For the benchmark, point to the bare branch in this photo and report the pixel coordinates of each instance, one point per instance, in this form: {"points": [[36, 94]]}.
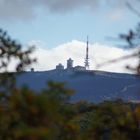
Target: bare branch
{"points": [[118, 59], [133, 9]]}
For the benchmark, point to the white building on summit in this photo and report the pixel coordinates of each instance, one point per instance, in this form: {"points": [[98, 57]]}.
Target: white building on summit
{"points": [[76, 68], [70, 66]]}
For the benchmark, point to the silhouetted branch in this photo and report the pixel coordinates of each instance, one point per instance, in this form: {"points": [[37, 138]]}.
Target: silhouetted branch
{"points": [[119, 59], [133, 9], [9, 50]]}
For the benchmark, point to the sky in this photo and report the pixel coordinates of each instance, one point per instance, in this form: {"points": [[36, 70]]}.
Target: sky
{"points": [[59, 29]]}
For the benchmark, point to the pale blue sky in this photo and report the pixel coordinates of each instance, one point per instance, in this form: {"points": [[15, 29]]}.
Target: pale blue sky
{"points": [[55, 28]]}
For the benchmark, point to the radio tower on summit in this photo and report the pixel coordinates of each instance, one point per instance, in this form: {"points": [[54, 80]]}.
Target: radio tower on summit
{"points": [[87, 57]]}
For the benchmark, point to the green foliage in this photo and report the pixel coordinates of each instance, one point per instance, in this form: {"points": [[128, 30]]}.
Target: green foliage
{"points": [[26, 115], [113, 120]]}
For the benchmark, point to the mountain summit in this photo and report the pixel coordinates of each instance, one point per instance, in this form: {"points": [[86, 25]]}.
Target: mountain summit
{"points": [[92, 86]]}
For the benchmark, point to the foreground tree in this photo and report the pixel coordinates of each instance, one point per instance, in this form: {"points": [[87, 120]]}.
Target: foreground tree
{"points": [[25, 114], [9, 51]]}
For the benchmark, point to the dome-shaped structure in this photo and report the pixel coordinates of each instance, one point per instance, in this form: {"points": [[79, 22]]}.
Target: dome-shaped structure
{"points": [[59, 66]]}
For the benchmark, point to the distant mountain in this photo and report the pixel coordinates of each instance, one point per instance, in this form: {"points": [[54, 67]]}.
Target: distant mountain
{"points": [[93, 86]]}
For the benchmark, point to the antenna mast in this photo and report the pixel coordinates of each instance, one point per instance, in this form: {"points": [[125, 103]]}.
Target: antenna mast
{"points": [[87, 56]]}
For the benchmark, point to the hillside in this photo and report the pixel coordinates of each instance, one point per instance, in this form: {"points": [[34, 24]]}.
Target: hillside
{"points": [[93, 86]]}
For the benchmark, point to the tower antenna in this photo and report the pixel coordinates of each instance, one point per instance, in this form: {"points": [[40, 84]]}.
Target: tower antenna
{"points": [[87, 56]]}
